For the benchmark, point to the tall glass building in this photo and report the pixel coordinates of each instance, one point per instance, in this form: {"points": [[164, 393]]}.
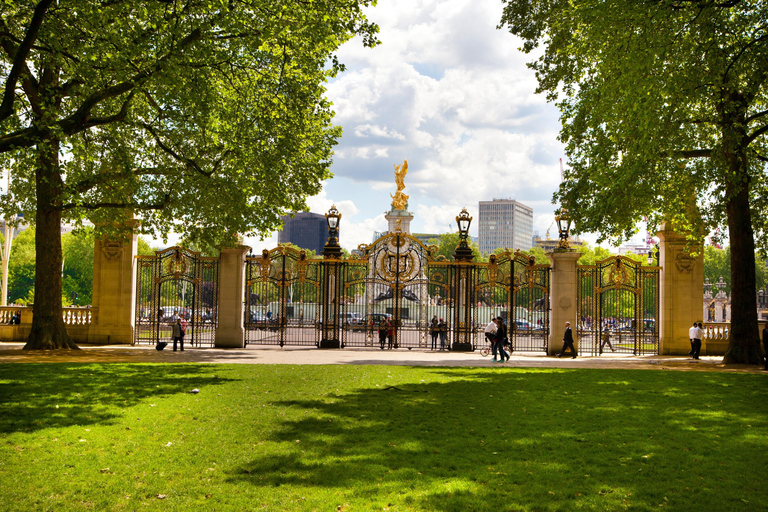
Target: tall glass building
{"points": [[505, 223], [305, 230]]}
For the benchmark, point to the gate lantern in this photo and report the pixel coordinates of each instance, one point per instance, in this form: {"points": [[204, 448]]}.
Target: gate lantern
{"points": [[332, 248], [563, 227], [463, 252]]}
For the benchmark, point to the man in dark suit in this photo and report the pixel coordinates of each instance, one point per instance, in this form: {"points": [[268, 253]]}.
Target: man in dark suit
{"points": [[765, 344], [568, 341]]}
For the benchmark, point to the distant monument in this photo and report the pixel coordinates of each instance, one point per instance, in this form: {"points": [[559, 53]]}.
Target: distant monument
{"points": [[399, 218]]}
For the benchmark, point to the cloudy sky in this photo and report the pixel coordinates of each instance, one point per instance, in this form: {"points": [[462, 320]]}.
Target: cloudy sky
{"points": [[451, 94]]}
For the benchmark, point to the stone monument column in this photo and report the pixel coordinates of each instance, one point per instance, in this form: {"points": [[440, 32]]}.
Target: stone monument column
{"points": [[563, 296], [682, 282], [114, 293], [229, 331]]}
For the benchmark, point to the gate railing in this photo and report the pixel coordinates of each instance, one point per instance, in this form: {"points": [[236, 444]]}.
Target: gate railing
{"points": [[176, 283], [618, 307]]}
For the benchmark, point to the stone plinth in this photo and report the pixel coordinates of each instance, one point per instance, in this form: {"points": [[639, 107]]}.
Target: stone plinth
{"points": [[404, 216], [682, 281], [230, 332], [114, 295], [563, 297]]}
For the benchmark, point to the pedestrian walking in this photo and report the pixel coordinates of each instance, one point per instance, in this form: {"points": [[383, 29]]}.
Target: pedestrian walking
{"points": [[692, 335], [697, 340], [501, 339], [568, 342], [490, 335], [391, 332], [606, 339], [765, 344]]}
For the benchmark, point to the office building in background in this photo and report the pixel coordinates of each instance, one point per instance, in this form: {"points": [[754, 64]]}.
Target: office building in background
{"points": [[305, 230], [505, 223]]}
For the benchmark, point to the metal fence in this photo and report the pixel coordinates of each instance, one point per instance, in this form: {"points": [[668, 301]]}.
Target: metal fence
{"points": [[176, 283], [618, 307]]}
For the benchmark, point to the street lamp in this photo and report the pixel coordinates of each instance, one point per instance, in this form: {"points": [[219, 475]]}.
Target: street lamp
{"points": [[707, 287], [563, 227], [332, 248], [463, 252]]}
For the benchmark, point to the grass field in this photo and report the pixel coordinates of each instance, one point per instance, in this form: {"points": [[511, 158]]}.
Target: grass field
{"points": [[260, 437]]}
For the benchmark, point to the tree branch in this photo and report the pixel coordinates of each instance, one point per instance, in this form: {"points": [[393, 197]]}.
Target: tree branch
{"points": [[134, 206], [188, 162], [696, 153], [757, 133], [20, 58], [756, 116]]}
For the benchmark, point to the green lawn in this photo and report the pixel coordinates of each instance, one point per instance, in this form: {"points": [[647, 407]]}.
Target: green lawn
{"points": [[258, 437]]}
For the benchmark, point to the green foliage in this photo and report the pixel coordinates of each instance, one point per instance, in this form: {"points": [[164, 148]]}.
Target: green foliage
{"points": [[21, 267], [717, 264], [446, 245], [208, 120], [77, 247], [317, 437], [143, 248], [662, 104]]}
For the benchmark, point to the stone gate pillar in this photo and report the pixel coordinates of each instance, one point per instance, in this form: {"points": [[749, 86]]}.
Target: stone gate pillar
{"points": [[229, 331], [563, 297], [114, 293], [682, 282]]}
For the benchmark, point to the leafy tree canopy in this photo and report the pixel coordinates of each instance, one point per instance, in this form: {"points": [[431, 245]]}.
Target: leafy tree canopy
{"points": [[664, 113], [446, 245], [206, 118]]}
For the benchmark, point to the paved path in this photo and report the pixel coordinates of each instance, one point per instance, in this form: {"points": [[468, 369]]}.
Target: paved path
{"points": [[13, 353]]}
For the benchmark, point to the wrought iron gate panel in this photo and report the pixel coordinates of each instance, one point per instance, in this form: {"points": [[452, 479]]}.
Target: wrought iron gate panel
{"points": [[358, 323], [529, 308], [493, 294], [618, 307], [283, 298], [397, 287], [176, 282]]}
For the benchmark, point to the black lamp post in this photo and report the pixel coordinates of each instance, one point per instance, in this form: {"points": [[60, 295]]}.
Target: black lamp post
{"points": [[654, 252], [332, 249], [564, 228], [463, 251], [331, 278]]}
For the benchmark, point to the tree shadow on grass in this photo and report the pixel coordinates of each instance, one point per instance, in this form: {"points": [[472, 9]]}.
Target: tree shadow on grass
{"points": [[37, 396], [527, 440]]}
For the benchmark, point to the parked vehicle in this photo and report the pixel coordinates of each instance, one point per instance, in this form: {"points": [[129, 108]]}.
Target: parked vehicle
{"points": [[361, 323]]}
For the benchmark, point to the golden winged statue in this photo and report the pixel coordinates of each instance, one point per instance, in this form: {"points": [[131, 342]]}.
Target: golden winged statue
{"points": [[400, 200]]}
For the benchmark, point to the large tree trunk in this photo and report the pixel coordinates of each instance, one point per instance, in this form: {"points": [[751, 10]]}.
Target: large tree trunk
{"points": [[744, 345], [48, 329]]}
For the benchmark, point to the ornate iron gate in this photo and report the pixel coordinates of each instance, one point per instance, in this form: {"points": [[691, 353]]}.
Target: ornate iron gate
{"points": [[529, 331], [176, 282], [618, 307], [515, 287], [283, 298], [389, 284]]}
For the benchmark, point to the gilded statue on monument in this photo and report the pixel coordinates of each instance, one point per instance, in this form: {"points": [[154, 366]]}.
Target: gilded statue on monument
{"points": [[400, 200]]}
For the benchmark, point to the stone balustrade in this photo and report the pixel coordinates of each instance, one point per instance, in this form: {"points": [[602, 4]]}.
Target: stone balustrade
{"points": [[77, 319]]}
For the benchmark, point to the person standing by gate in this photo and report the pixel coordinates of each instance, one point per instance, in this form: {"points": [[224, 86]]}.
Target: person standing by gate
{"points": [[434, 331], [391, 332], [382, 332], [490, 335], [444, 334], [178, 334], [568, 341]]}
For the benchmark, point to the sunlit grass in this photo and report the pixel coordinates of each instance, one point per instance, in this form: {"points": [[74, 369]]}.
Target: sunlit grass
{"points": [[132, 437]]}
